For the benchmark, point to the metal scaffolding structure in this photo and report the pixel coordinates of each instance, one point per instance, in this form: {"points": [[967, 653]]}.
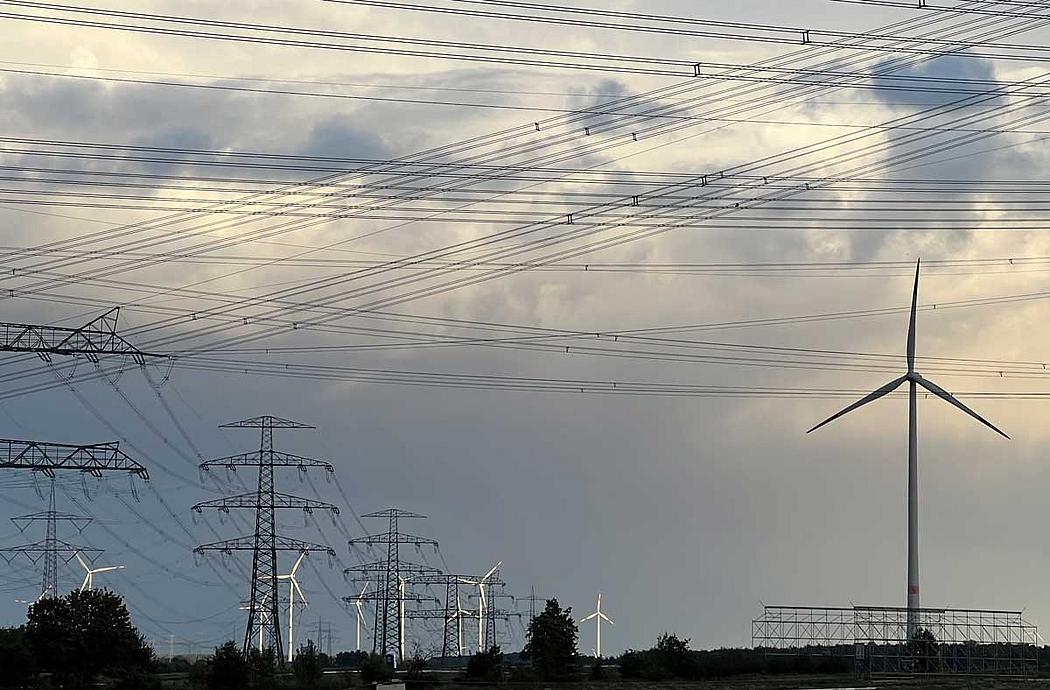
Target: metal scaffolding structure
{"points": [[877, 638], [94, 339], [263, 602]]}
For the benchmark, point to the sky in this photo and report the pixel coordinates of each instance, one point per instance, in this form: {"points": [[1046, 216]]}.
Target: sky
{"points": [[687, 513]]}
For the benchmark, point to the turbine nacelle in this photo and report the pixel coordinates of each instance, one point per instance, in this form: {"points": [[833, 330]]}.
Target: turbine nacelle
{"points": [[90, 573]]}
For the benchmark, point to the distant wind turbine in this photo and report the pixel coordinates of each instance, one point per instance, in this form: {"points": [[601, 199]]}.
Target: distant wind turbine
{"points": [[358, 602], [598, 617], [90, 573], [913, 379], [481, 583], [293, 589]]}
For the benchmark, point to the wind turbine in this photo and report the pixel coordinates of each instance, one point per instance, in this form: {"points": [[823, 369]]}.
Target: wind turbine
{"points": [[598, 617], [914, 380], [89, 572], [293, 589], [358, 602], [481, 583]]}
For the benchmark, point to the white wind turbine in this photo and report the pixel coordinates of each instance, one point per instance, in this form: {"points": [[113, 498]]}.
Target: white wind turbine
{"points": [[293, 589], [481, 583], [90, 573], [358, 603], [598, 617], [913, 379]]}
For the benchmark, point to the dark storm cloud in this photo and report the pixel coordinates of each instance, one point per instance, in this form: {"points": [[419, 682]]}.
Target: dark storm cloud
{"points": [[904, 86]]}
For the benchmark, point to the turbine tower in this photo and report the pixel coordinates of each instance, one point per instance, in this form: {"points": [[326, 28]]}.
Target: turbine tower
{"points": [[293, 589], [90, 573], [914, 380], [358, 603], [598, 617]]}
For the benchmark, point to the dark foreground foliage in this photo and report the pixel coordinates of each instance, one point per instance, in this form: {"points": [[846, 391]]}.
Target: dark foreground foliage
{"points": [[671, 659], [551, 642], [75, 641]]}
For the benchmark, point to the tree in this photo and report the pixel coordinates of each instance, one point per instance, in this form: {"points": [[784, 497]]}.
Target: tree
{"points": [[307, 667], [83, 635], [16, 662], [551, 643], [262, 668], [485, 665], [228, 669]]}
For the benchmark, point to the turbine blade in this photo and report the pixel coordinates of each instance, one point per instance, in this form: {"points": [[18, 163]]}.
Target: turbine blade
{"points": [[911, 321], [295, 584], [298, 563], [584, 620], [948, 397], [607, 619], [492, 570], [874, 395], [82, 563], [363, 590]]}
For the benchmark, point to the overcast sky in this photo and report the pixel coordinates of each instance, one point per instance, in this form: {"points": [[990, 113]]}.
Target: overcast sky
{"points": [[686, 513]]}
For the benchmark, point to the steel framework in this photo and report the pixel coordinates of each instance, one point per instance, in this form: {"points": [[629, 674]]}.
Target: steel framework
{"points": [[388, 632], [97, 337], [263, 602], [45, 458], [51, 547], [890, 640]]}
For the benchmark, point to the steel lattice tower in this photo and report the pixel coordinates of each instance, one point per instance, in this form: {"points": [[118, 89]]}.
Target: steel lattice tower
{"points": [[263, 602], [51, 547], [49, 459], [388, 633]]}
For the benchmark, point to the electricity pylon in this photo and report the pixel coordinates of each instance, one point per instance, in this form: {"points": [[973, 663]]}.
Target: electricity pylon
{"points": [[51, 547], [263, 605], [453, 614], [49, 459], [376, 573], [532, 599], [97, 337], [388, 630]]}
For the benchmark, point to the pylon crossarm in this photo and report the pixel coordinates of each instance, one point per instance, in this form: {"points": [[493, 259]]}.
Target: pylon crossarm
{"points": [[95, 339], [227, 503], [401, 538], [46, 457], [404, 567], [266, 421], [39, 548], [408, 596], [275, 458], [247, 543]]}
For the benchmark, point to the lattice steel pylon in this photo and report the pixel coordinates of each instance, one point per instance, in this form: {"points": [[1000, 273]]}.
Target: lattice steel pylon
{"points": [[388, 632], [494, 613], [263, 602], [51, 547], [49, 459], [92, 340]]}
